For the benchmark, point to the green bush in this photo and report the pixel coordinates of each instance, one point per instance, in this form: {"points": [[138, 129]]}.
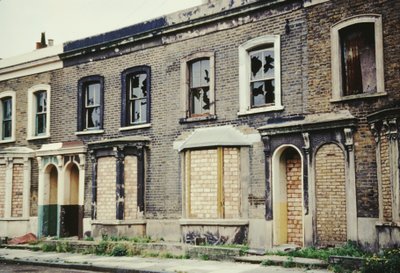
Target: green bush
{"points": [[119, 250], [102, 248], [48, 247], [63, 247], [388, 262]]}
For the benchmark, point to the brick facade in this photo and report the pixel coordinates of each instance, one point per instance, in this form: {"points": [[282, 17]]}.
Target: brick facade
{"points": [[130, 171], [2, 188], [385, 176], [231, 183], [106, 188], [294, 200], [17, 190], [330, 195]]}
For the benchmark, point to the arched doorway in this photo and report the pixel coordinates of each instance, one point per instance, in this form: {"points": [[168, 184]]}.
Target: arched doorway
{"points": [[50, 206], [287, 196], [71, 222]]}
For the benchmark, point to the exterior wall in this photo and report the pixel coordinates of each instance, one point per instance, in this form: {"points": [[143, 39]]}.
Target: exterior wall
{"points": [[203, 184], [17, 190], [330, 195], [106, 188], [231, 183], [294, 200], [2, 189], [130, 171], [385, 177]]}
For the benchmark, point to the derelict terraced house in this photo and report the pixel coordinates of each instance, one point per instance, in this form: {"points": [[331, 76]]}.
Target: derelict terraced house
{"points": [[266, 122]]}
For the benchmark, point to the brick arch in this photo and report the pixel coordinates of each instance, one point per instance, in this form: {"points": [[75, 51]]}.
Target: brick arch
{"points": [[330, 190]]}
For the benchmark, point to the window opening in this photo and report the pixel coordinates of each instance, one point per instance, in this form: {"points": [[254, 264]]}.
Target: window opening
{"points": [[138, 98], [41, 112], [199, 97], [92, 106], [262, 77], [7, 118], [358, 59]]}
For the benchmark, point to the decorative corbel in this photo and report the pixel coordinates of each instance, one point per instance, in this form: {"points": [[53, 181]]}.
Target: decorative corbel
{"points": [[267, 145], [306, 138], [348, 134], [39, 161], [82, 160], [393, 129], [59, 161], [375, 132], [9, 162], [385, 129]]}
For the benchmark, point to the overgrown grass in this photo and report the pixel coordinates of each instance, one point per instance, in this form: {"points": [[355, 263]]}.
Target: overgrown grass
{"points": [[388, 262], [350, 249]]}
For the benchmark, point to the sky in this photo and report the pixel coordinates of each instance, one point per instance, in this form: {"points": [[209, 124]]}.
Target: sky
{"points": [[23, 21]]}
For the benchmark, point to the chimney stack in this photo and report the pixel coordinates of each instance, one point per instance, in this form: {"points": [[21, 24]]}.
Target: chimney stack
{"points": [[42, 43]]}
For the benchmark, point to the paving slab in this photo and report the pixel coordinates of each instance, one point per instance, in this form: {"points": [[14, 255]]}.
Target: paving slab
{"points": [[138, 264]]}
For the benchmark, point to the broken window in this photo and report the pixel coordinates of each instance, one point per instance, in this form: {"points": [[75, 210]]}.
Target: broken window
{"points": [[41, 112], [7, 118], [358, 59], [136, 96], [262, 76], [199, 95], [90, 103], [92, 107]]}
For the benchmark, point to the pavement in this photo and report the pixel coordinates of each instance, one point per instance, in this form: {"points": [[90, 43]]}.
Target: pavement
{"points": [[139, 264]]}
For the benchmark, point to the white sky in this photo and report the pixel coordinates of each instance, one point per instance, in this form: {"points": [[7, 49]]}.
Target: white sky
{"points": [[22, 21]]}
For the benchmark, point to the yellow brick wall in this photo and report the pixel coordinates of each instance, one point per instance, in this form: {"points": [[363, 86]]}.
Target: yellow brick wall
{"points": [[330, 195], [17, 190], [203, 184], [231, 178], [294, 200], [106, 186], [2, 188], [130, 187], [385, 174]]}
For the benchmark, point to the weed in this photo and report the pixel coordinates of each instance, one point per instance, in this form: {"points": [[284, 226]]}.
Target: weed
{"points": [[388, 262], [289, 263], [204, 257], [63, 247], [101, 248], [48, 247], [89, 238], [267, 263], [119, 250]]}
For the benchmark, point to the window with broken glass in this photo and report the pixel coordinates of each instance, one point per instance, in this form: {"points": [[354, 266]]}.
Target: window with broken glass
{"points": [[7, 118], [199, 97], [135, 96], [91, 104], [262, 77], [41, 112], [357, 44]]}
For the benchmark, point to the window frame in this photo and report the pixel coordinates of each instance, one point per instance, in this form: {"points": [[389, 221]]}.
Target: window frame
{"points": [[32, 106], [81, 115], [186, 89], [245, 49], [4, 95], [336, 56], [125, 97]]}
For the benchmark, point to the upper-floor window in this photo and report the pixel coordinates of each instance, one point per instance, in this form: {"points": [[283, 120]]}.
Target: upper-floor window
{"points": [[259, 75], [135, 96], [7, 116], [90, 103], [357, 57], [39, 111], [197, 77]]}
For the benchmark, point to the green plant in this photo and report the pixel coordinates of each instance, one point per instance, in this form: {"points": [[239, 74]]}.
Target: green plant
{"points": [[119, 250], [388, 262], [48, 247], [267, 263], [89, 238], [101, 248], [289, 263], [204, 257], [63, 247]]}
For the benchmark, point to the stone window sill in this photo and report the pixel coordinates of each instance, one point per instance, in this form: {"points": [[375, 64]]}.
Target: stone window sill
{"points": [[38, 137], [261, 110], [119, 222], [7, 141], [135, 127], [387, 224], [358, 97], [195, 119], [89, 132]]}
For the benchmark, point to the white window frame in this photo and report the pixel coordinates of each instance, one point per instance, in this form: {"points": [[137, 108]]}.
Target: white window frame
{"points": [[336, 55], [31, 129], [185, 82], [245, 69], [11, 94]]}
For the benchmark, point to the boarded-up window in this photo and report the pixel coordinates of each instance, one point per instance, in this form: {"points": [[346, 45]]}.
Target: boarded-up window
{"points": [[358, 59]]}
